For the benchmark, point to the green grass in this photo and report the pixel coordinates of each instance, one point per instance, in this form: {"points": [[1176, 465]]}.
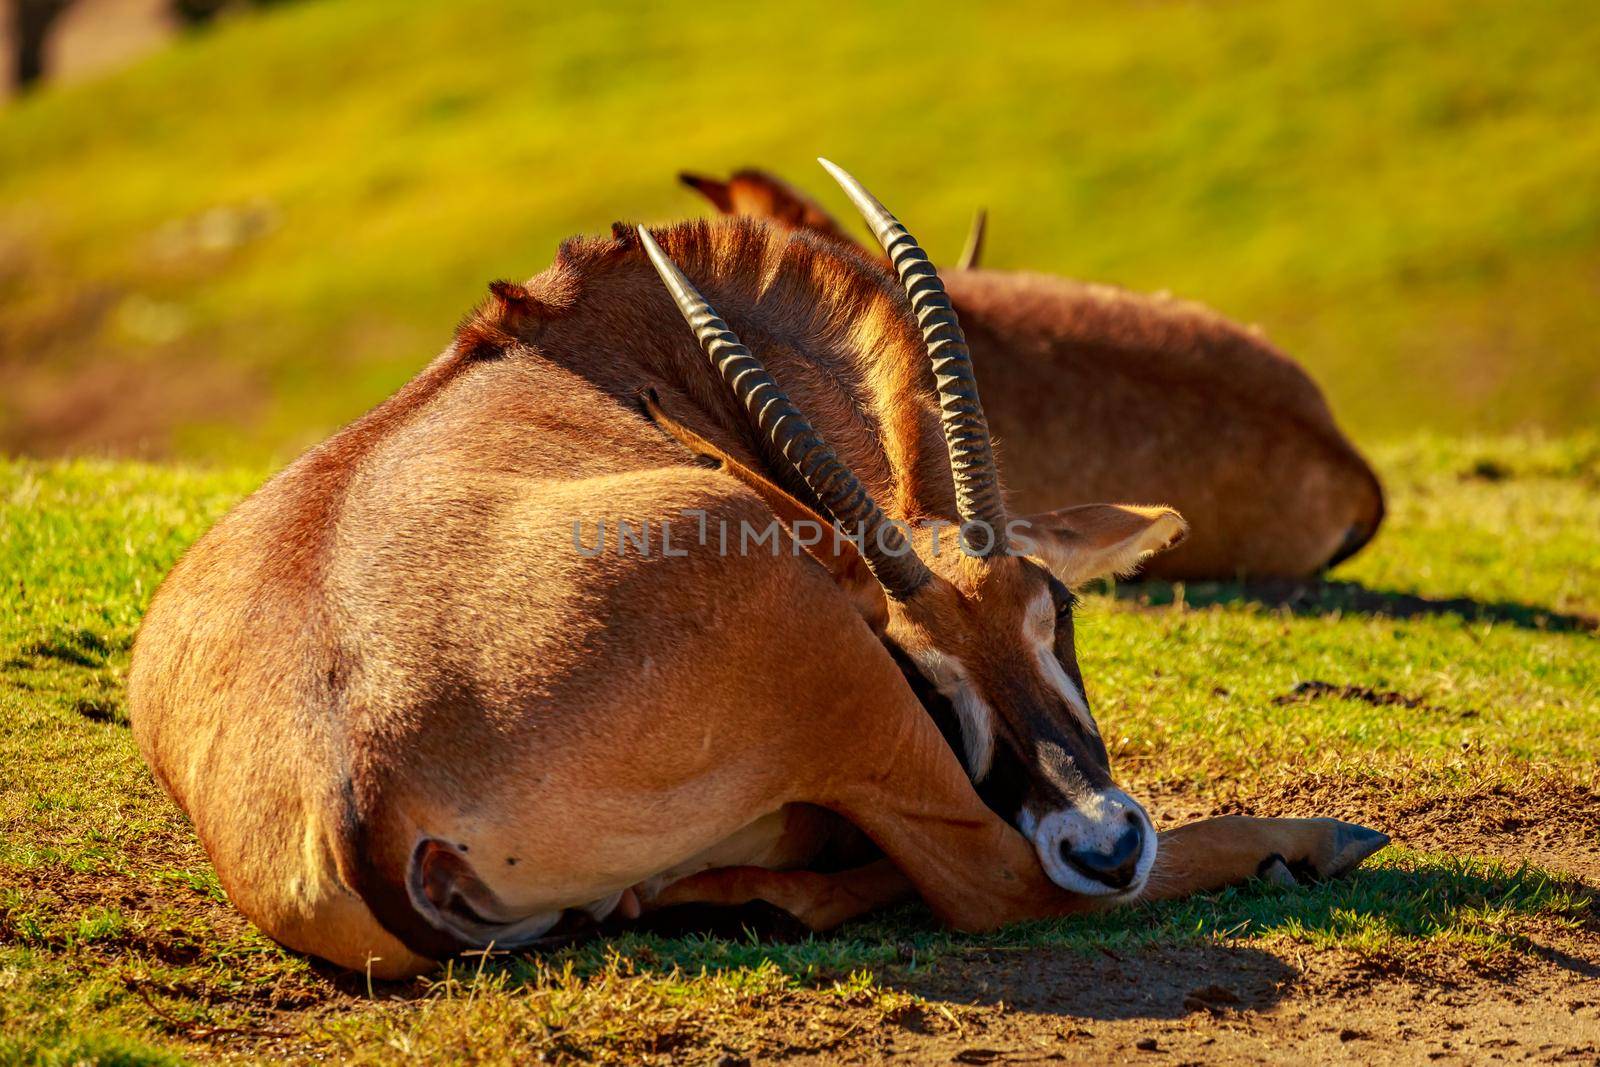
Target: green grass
{"points": [[251, 236], [230, 248], [1476, 604]]}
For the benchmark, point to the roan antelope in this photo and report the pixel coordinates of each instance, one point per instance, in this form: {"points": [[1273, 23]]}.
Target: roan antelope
{"points": [[411, 711], [1099, 393]]}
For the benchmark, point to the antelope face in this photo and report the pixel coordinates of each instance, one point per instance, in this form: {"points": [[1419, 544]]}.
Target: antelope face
{"points": [[989, 647]]}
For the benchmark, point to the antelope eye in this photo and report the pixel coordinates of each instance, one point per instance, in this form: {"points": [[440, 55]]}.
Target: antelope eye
{"points": [[1064, 601]]}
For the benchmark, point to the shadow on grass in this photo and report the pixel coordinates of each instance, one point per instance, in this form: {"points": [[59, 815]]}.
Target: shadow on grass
{"points": [[1322, 598], [79, 647], [1159, 961]]}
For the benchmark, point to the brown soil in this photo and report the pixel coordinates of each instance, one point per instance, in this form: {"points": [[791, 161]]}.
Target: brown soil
{"points": [[1218, 1005], [1306, 692]]}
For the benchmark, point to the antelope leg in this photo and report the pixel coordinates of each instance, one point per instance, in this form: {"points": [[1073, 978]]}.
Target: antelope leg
{"points": [[821, 901], [1214, 853]]}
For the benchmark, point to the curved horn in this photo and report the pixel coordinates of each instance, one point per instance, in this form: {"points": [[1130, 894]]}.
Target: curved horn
{"points": [[888, 554], [966, 431]]}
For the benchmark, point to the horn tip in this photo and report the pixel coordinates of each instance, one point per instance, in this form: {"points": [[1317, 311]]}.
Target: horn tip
{"points": [[878, 218], [839, 173]]}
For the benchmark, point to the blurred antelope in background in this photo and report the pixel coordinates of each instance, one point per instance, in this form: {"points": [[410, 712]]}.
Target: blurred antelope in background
{"points": [[1100, 393], [411, 712]]}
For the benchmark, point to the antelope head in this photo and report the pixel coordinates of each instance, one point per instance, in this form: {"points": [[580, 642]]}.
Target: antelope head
{"points": [[978, 616]]}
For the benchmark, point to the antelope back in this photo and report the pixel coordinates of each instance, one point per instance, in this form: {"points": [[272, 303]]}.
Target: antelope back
{"points": [[1100, 393]]}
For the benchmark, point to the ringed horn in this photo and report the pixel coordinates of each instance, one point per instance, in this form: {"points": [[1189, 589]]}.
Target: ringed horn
{"points": [[966, 431], [888, 554]]}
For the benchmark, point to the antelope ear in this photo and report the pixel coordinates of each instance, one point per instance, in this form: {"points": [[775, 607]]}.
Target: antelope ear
{"points": [[1093, 540], [713, 190], [837, 554], [760, 195]]}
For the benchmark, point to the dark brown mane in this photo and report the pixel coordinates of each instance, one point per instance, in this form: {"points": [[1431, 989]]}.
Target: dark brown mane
{"points": [[716, 247], [831, 321]]}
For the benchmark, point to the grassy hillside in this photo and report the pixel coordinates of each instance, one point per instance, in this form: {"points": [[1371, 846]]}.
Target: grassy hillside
{"points": [[248, 238], [1444, 689]]}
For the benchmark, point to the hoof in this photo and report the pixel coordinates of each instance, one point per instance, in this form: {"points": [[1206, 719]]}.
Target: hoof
{"points": [[1351, 844]]}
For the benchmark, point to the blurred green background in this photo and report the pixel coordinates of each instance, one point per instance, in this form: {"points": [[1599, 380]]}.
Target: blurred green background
{"points": [[252, 234]]}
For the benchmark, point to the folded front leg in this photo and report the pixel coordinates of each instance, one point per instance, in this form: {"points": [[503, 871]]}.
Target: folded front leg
{"points": [[1231, 849]]}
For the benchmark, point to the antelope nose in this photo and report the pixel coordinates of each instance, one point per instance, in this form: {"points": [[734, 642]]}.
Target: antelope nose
{"points": [[1114, 867]]}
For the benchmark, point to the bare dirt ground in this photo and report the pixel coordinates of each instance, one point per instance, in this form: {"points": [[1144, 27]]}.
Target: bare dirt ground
{"points": [[1225, 1005]]}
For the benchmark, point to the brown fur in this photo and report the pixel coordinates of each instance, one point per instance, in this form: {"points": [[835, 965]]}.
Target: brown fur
{"points": [[407, 717], [1099, 393]]}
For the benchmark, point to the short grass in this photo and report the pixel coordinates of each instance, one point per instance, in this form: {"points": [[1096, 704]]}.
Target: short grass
{"points": [[253, 235], [1447, 679]]}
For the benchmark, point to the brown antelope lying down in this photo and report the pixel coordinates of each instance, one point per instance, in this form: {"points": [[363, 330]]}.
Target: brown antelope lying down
{"points": [[1097, 393], [415, 704]]}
